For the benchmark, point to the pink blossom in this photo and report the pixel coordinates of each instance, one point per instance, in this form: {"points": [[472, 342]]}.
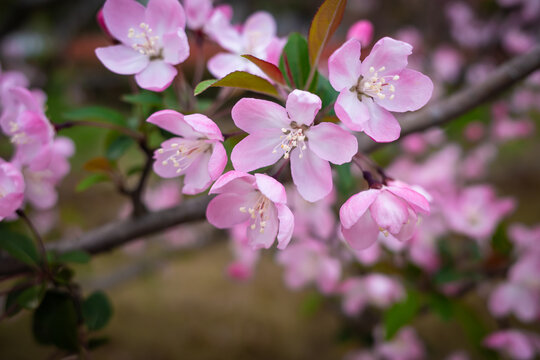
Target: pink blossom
{"points": [[362, 31], [40, 184], [276, 132], [198, 153], [525, 271], [477, 162], [525, 239], [315, 220], [257, 199], [474, 131], [447, 63], [11, 189], [476, 211], [392, 209], [516, 344], [308, 261], [375, 289], [197, 13], [246, 257], [152, 41], [369, 90], [404, 346], [254, 38], [516, 41], [516, 299]]}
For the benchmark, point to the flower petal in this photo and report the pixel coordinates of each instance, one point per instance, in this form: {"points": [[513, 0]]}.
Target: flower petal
{"points": [[237, 182], [351, 111], [252, 115], [356, 206], [362, 234], [388, 53], [389, 212], [311, 174], [412, 91], [122, 15], [224, 210], [121, 59], [259, 30], [157, 76], [266, 238], [286, 225], [173, 122], [302, 107], [223, 64], [197, 177], [165, 16], [257, 151], [271, 188], [414, 199], [175, 47], [218, 161], [382, 126], [330, 142], [344, 66]]}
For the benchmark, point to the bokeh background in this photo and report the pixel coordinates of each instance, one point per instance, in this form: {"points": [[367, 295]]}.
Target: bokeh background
{"points": [[182, 305]]}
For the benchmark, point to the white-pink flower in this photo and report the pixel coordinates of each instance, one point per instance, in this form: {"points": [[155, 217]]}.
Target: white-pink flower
{"points": [[369, 90], [362, 31], [152, 40], [197, 13], [276, 132], [392, 209], [257, 199], [198, 153], [517, 299], [11, 189]]}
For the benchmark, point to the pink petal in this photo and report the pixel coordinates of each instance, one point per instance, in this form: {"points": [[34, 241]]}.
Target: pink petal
{"points": [[204, 125], [237, 182], [363, 233], [416, 200], [252, 115], [223, 64], [382, 126], [197, 177], [122, 15], [167, 171], [224, 210], [286, 225], [157, 76], [344, 66], [302, 107], [389, 212], [218, 161], [266, 238], [409, 228], [259, 30], [175, 47], [271, 188], [330, 142], [257, 151], [173, 122], [311, 175], [356, 206], [121, 59], [388, 53], [353, 112], [165, 16], [413, 91]]}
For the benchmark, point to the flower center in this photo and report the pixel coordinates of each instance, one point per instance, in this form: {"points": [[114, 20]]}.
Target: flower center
{"points": [[292, 138], [258, 213], [375, 86], [145, 43], [182, 155]]}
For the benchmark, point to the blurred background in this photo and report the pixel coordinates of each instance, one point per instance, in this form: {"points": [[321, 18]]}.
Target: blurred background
{"points": [[180, 304]]}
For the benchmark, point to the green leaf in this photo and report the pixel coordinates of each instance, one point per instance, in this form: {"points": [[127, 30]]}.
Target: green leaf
{"points": [[31, 297], [240, 80], [95, 113], [99, 165], [90, 181], [323, 26], [294, 61], [441, 305], [97, 311], [63, 275], [20, 247], [146, 98], [326, 92], [345, 183], [75, 257], [271, 70], [312, 304], [473, 327], [55, 321], [118, 147], [401, 314], [500, 241], [11, 306]]}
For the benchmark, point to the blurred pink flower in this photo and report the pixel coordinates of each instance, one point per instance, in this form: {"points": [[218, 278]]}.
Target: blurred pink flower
{"points": [[516, 344], [392, 209], [525, 239], [276, 132], [517, 299], [447, 63], [375, 289], [369, 90], [362, 31], [474, 131], [152, 41], [198, 154], [315, 220], [11, 189], [197, 13], [245, 256], [259, 199], [404, 346]]}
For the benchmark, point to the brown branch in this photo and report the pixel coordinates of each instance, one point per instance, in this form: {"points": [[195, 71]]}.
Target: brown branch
{"points": [[461, 102], [116, 234]]}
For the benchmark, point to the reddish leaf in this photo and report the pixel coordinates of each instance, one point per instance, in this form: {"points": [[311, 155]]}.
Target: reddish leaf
{"points": [[240, 80], [271, 70], [325, 23]]}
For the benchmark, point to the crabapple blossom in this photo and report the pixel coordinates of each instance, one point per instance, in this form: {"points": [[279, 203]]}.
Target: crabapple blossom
{"points": [[362, 31], [404, 346], [246, 257], [391, 209], [197, 13], [370, 89], [517, 344], [312, 219], [374, 289], [525, 239], [152, 41], [276, 132], [517, 299], [257, 199], [197, 153], [308, 261], [11, 189]]}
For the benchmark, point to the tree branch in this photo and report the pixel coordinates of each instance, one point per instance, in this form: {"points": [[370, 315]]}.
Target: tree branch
{"points": [[116, 234]]}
